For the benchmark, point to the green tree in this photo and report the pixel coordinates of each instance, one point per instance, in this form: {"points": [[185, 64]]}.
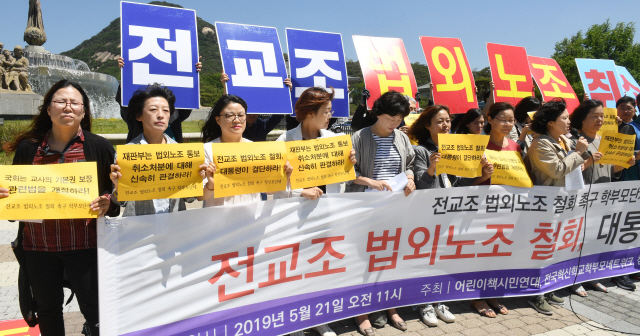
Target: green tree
{"points": [[601, 41], [482, 78]]}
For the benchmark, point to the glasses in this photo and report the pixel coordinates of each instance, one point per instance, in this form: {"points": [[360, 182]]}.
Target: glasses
{"points": [[504, 121], [231, 117], [61, 104]]}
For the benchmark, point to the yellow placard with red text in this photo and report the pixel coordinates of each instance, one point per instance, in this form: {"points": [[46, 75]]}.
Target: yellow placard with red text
{"points": [[55, 191], [610, 124], [508, 169], [510, 73], [552, 82], [460, 154], [320, 161], [617, 148], [159, 171], [451, 77], [385, 66], [249, 167]]}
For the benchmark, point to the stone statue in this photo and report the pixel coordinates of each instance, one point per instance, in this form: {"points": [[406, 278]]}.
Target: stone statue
{"points": [[2, 71], [34, 34], [16, 76]]}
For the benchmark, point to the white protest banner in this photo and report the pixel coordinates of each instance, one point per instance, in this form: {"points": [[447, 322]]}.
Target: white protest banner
{"points": [[271, 268]]}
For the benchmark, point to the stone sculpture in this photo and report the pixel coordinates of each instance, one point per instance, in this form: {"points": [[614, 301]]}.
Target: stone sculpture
{"points": [[14, 72], [34, 34]]}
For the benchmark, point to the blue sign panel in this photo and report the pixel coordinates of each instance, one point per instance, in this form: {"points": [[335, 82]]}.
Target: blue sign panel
{"points": [[600, 80], [160, 45], [317, 59], [253, 60]]}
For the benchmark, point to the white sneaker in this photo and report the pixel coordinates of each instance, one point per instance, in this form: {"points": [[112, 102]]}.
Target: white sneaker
{"points": [[297, 333], [429, 315], [444, 314], [325, 330]]}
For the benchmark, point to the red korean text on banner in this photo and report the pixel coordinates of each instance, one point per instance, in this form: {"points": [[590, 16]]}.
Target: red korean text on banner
{"points": [[552, 82], [385, 66], [509, 72], [451, 76]]}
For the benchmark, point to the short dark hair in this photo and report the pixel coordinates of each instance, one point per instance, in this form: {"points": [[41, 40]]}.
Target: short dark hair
{"points": [[626, 100], [469, 117], [392, 103], [494, 110], [211, 130], [136, 103], [311, 100], [525, 105], [547, 113], [419, 129], [581, 112]]}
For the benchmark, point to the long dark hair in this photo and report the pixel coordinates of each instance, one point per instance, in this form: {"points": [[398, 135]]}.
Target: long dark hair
{"points": [[494, 110], [524, 106], [469, 117], [419, 129], [211, 130], [42, 124]]}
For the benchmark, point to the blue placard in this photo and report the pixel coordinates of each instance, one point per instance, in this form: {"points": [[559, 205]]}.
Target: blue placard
{"points": [[253, 60], [600, 80], [317, 59], [160, 45]]}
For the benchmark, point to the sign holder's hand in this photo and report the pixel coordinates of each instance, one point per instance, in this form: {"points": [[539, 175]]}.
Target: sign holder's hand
{"points": [[288, 169], [380, 185], [4, 192], [352, 157], [115, 175], [101, 205], [411, 186], [312, 193], [433, 161]]}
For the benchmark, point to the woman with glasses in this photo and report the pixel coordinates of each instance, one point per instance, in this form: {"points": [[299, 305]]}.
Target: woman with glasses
{"points": [[60, 133], [500, 121]]}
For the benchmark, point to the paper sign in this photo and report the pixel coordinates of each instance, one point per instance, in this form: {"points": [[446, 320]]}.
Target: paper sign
{"points": [[320, 161], [510, 73], [531, 114], [617, 148], [159, 171], [411, 118], [461, 154], [629, 85], [600, 80], [397, 183], [451, 77], [18, 328], [610, 124], [160, 45], [317, 59], [574, 180], [54, 191], [385, 66], [552, 82], [252, 57], [508, 169], [249, 167]]}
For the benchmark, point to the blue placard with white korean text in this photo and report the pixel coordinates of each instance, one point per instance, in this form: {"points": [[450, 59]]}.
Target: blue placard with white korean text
{"points": [[253, 60], [317, 59], [160, 45], [600, 80]]}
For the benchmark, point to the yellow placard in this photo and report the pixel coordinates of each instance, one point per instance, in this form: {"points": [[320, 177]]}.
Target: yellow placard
{"points": [[610, 124], [411, 118], [54, 191], [508, 169], [531, 114], [159, 171], [617, 148], [249, 167], [320, 161], [461, 154]]}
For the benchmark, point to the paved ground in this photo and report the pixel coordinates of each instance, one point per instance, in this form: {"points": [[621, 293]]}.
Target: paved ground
{"points": [[618, 310]]}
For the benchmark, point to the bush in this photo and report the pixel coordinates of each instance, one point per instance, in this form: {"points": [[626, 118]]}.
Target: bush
{"points": [[10, 130]]}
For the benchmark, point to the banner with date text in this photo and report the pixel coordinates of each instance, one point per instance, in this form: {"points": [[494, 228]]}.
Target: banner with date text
{"points": [[274, 267]]}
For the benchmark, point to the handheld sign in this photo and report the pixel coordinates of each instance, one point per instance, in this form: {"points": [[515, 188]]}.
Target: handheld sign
{"points": [[252, 57], [510, 73], [552, 82], [248, 167], [317, 59], [617, 148], [451, 77], [159, 171], [600, 80], [461, 154], [629, 85], [160, 45], [320, 161], [610, 124], [385, 66], [508, 169], [55, 191]]}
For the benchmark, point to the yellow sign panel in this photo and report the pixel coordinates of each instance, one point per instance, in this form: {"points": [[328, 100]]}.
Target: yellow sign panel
{"points": [[54, 191], [249, 167], [508, 169], [617, 148], [159, 171], [461, 154], [411, 118], [610, 124], [320, 161]]}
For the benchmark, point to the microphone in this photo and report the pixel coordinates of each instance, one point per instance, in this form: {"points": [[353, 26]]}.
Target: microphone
{"points": [[576, 134]]}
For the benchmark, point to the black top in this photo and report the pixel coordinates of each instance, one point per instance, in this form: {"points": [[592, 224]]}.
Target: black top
{"points": [[259, 130]]}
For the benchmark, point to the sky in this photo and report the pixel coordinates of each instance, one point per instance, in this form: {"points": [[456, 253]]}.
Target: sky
{"points": [[535, 25]]}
